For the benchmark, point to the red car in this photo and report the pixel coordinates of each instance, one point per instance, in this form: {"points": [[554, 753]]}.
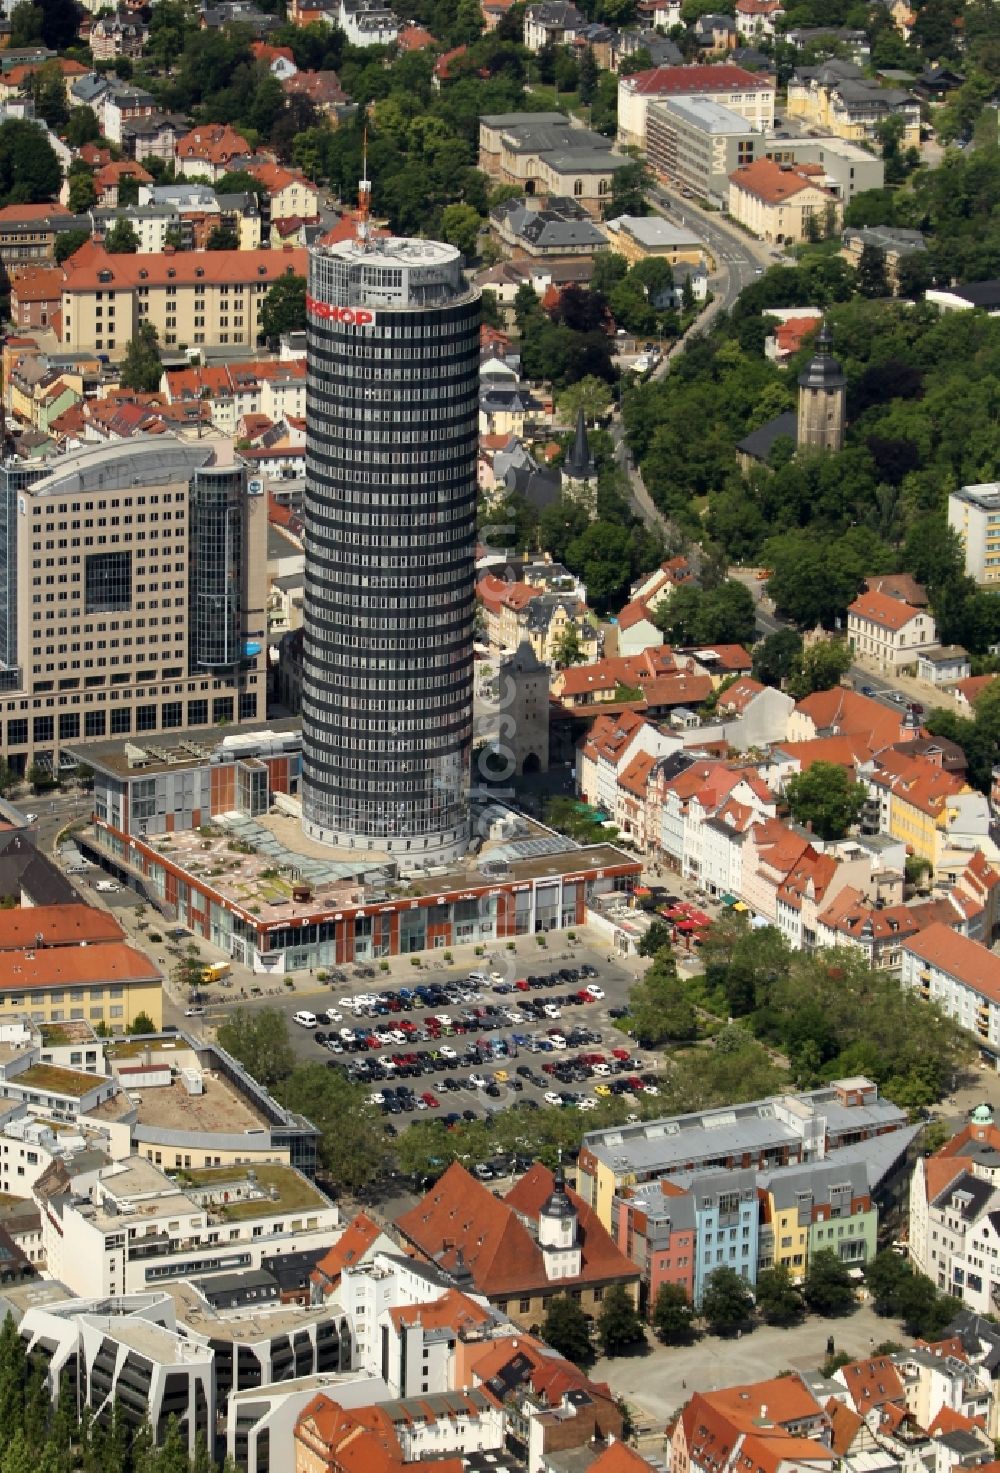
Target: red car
{"points": [[431, 1101], [522, 984], [620, 1053]]}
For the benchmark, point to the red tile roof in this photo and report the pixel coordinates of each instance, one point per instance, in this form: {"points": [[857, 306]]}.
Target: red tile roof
{"points": [[212, 143], [459, 1219], [56, 925], [678, 81], [972, 688], [957, 956], [74, 966], [453, 1311], [633, 613], [774, 183], [739, 695], [882, 609], [37, 284], [414, 38], [180, 268], [350, 1248], [872, 1383]]}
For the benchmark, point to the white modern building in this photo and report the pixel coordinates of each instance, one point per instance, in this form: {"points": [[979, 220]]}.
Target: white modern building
{"points": [[139, 1228], [974, 513]]}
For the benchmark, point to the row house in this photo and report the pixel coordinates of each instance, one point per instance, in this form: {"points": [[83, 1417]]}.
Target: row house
{"points": [[925, 1408], [686, 799], [925, 806], [770, 1425], [843, 712], [619, 680], [961, 977], [609, 752], [237, 392], [868, 921]]}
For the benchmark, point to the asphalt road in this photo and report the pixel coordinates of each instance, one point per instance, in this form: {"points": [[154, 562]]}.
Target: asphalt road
{"points": [[738, 260], [53, 812]]}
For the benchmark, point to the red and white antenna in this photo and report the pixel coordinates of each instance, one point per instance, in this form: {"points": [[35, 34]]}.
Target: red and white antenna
{"points": [[364, 198]]}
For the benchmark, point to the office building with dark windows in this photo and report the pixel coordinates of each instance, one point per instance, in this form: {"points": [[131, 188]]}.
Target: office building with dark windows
{"points": [[132, 596], [393, 355]]}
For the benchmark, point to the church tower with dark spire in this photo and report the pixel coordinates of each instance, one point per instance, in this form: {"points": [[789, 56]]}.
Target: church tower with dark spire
{"points": [[822, 418], [579, 471]]}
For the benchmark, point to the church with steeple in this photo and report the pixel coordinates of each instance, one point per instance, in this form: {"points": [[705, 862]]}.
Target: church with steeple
{"points": [[820, 423], [579, 471]]}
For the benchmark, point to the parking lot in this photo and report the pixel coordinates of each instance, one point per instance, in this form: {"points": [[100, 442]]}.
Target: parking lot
{"points": [[530, 1029]]}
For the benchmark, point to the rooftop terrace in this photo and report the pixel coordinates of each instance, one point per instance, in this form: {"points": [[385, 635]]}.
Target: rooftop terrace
{"points": [[278, 1188]]}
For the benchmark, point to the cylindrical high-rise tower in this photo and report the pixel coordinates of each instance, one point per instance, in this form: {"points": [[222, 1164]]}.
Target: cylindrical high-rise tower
{"points": [[392, 431]]}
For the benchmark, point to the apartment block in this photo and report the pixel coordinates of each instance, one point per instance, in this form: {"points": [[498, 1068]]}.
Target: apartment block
{"points": [[192, 298], [139, 1228], [698, 143], [132, 594], [748, 94], [783, 1130], [960, 976], [974, 513]]}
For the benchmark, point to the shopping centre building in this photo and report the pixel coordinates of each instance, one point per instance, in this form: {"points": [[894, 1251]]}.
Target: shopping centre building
{"points": [[210, 829]]}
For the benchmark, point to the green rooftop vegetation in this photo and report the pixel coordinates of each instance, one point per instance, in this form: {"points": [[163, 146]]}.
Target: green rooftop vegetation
{"points": [[51, 1078], [294, 1192]]}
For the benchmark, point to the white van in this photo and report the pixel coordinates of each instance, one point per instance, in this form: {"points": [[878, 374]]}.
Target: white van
{"points": [[305, 1020], [107, 887]]}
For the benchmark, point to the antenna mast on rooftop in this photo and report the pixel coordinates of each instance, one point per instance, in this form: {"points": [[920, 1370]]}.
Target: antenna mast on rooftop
{"points": [[364, 197]]}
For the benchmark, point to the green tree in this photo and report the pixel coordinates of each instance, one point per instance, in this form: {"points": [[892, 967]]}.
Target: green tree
{"points": [[69, 241], [284, 308], [141, 366], [567, 649], [828, 1289], [128, 191], [775, 657], [723, 615], [657, 1005], [601, 554], [29, 169], [82, 127], [629, 186], [82, 194], [40, 778], [778, 1300], [25, 25], [122, 239], [48, 90], [142, 1023], [727, 1303], [619, 1326], [239, 181], [565, 1329], [872, 278], [589, 76], [609, 268], [460, 225], [673, 1317], [819, 667], [188, 971], [258, 1039], [591, 394], [223, 238], [825, 798], [658, 938], [352, 1145]]}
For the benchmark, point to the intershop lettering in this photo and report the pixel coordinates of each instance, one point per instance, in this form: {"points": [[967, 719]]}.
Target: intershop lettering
{"points": [[353, 316]]}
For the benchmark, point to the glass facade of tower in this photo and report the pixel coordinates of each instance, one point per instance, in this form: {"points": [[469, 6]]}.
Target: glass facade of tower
{"points": [[393, 351], [217, 555]]}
